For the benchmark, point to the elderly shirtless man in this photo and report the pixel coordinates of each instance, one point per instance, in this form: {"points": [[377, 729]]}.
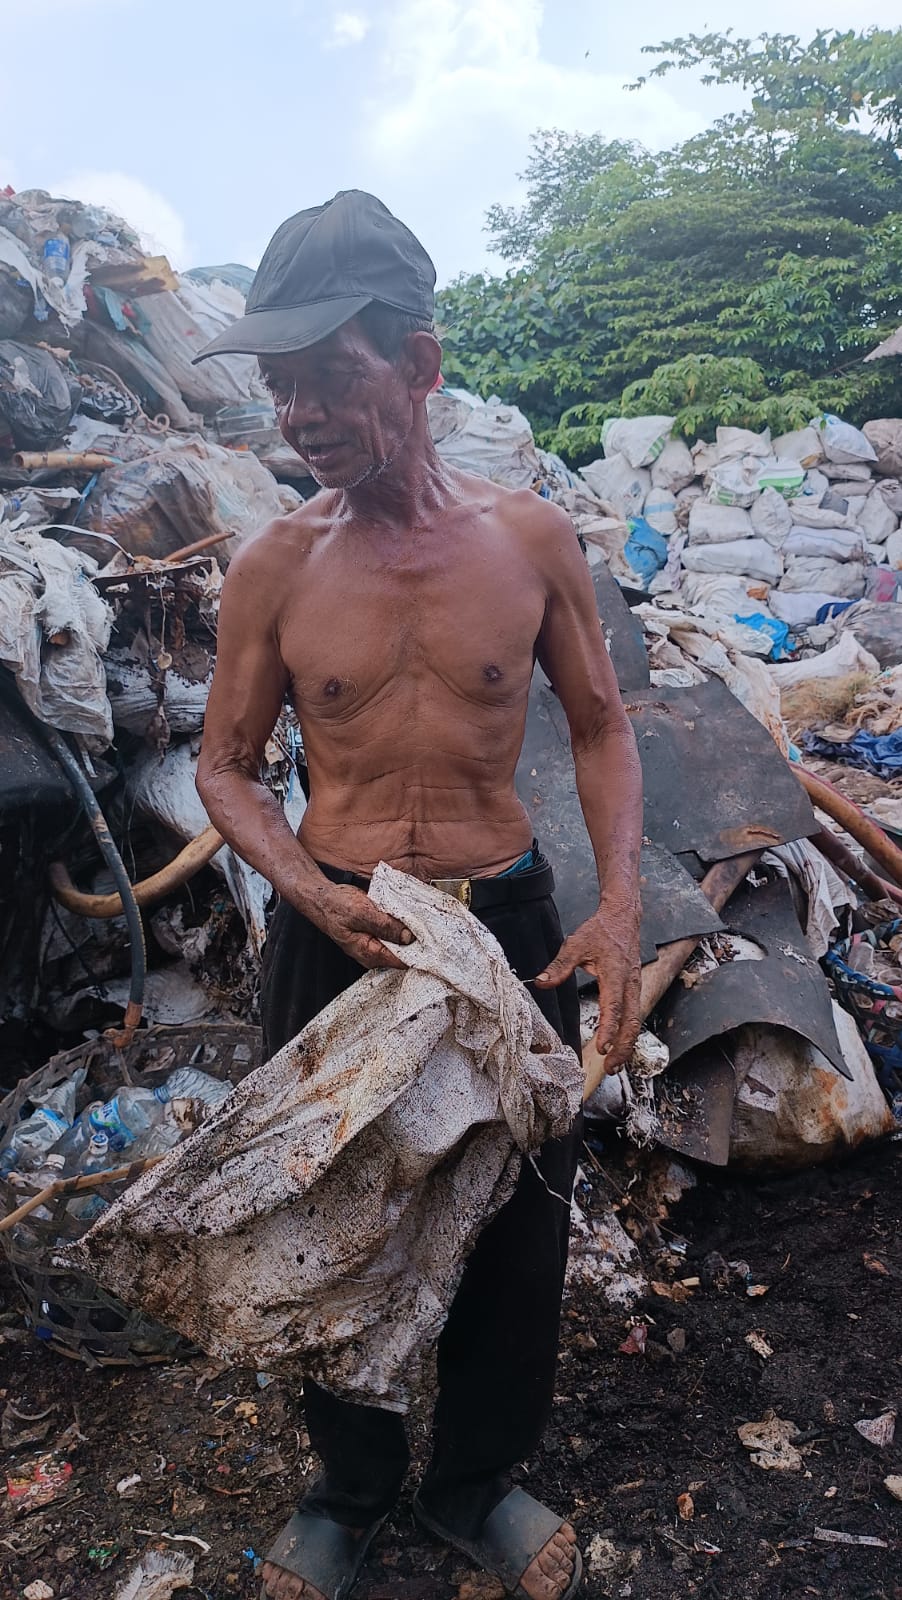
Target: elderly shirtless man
{"points": [[402, 610]]}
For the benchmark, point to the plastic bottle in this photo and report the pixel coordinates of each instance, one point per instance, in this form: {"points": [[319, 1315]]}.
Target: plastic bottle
{"points": [[76, 1139], [30, 1140], [87, 1206], [24, 1236], [129, 1114], [159, 1139], [189, 1083], [56, 259]]}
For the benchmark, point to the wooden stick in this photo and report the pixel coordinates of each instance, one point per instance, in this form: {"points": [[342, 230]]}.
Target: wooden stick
{"points": [[719, 882], [87, 1180], [80, 460], [196, 854], [198, 545]]}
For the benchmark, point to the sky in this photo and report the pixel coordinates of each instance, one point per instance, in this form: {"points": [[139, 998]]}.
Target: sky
{"points": [[206, 124]]}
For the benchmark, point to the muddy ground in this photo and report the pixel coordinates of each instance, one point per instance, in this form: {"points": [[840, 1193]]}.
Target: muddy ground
{"points": [[221, 1459]]}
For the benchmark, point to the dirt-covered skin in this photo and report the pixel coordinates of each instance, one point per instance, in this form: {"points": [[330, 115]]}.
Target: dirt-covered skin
{"points": [[220, 1457]]}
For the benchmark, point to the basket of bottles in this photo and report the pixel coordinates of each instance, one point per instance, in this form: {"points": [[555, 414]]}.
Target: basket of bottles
{"points": [[98, 1115]]}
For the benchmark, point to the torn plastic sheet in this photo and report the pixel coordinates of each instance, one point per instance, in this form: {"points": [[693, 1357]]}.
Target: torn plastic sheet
{"points": [[164, 788], [320, 1219], [53, 629]]}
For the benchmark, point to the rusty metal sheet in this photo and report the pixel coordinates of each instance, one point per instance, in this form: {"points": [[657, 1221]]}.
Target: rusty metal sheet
{"points": [[786, 988], [673, 906], [715, 782]]}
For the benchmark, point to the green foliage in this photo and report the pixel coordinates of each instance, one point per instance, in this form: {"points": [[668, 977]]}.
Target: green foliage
{"points": [[746, 273]]}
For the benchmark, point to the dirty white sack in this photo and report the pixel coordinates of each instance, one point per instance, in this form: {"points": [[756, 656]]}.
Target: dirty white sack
{"points": [[319, 1221], [792, 1108]]}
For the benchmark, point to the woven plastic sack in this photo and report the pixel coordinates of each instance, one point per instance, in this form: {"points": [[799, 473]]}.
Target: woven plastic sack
{"points": [[885, 435], [625, 488], [674, 468], [788, 477], [841, 442], [319, 1221], [640, 439], [843, 580], [771, 517], [712, 524], [752, 558]]}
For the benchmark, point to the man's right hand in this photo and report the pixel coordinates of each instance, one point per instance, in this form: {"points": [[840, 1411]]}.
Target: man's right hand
{"points": [[350, 918]]}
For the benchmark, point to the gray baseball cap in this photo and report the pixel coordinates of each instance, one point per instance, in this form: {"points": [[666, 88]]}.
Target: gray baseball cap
{"points": [[320, 268]]}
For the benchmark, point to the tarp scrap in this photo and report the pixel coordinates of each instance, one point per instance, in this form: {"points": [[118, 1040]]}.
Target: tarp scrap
{"points": [[320, 1220]]}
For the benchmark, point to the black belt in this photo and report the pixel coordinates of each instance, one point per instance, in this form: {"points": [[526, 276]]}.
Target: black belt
{"points": [[479, 894]]}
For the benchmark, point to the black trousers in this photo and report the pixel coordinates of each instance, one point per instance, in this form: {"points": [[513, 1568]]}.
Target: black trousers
{"points": [[497, 1353]]}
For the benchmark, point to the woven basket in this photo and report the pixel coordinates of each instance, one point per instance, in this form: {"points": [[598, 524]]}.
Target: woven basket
{"points": [[64, 1307]]}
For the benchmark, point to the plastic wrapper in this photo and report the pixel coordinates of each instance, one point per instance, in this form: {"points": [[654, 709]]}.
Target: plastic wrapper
{"points": [[186, 491], [37, 397]]}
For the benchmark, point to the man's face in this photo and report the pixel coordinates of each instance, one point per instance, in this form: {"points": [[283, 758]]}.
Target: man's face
{"points": [[342, 406]]}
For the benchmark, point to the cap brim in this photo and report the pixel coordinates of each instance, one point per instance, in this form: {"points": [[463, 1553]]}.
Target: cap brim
{"points": [[278, 331]]}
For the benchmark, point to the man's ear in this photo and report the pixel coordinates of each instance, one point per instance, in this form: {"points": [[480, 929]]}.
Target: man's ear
{"points": [[423, 364]]}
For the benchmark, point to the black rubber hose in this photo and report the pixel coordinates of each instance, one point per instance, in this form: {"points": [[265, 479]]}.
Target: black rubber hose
{"points": [[90, 805]]}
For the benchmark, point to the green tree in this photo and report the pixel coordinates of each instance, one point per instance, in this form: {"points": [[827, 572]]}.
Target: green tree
{"points": [[755, 264]]}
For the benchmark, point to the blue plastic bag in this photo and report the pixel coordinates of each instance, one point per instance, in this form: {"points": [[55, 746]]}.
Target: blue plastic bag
{"points": [[778, 632], [645, 550]]}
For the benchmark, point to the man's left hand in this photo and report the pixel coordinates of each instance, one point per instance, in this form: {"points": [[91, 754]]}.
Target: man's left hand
{"points": [[607, 946]]}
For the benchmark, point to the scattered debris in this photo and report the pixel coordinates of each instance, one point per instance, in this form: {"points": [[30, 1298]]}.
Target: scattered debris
{"points": [[756, 1339], [157, 1576], [635, 1342], [39, 1590], [772, 1442], [37, 1483], [878, 1430], [834, 1536], [893, 1484], [685, 1507], [125, 1485]]}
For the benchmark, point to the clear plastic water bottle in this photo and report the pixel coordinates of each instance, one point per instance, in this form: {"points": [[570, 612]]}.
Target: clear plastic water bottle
{"points": [[161, 1137], [57, 257], [88, 1206], [24, 1235], [129, 1114], [30, 1140], [76, 1139], [189, 1083]]}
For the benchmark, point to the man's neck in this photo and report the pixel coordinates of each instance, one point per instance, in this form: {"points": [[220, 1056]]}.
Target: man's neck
{"points": [[408, 491]]}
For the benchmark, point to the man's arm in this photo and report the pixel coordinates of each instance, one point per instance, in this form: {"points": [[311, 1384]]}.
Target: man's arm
{"points": [[572, 650], [249, 686]]}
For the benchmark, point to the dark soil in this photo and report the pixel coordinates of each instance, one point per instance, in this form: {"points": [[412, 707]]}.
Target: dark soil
{"points": [[222, 1459]]}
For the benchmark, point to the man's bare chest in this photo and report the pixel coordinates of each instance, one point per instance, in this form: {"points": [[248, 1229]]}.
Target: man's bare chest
{"points": [[464, 629]]}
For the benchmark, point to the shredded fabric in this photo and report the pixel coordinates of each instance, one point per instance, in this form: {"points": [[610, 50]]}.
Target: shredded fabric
{"points": [[320, 1220]]}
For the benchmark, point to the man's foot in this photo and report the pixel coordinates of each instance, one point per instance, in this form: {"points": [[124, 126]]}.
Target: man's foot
{"points": [[329, 1551], [550, 1575], [281, 1585]]}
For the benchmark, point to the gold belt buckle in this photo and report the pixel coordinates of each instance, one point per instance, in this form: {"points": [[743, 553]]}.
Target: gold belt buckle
{"points": [[459, 888]]}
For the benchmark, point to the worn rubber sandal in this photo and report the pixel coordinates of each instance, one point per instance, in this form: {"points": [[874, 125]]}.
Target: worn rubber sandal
{"points": [[512, 1536], [322, 1552]]}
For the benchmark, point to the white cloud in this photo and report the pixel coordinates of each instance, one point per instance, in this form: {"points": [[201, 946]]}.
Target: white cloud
{"points": [[162, 230], [485, 60], [348, 27]]}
